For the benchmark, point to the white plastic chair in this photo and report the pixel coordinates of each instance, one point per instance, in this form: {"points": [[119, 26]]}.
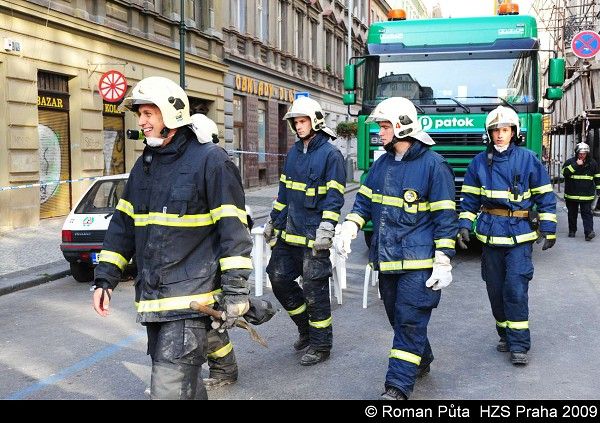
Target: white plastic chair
{"points": [[372, 276]]}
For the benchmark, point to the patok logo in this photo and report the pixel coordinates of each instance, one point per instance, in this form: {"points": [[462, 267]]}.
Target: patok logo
{"points": [[427, 123]]}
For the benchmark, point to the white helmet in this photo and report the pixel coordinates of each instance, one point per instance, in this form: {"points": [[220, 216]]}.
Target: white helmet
{"points": [[582, 148], [305, 106], [166, 95], [501, 117], [206, 129], [402, 114]]}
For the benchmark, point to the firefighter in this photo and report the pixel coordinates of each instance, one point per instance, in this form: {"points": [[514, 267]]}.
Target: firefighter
{"points": [[409, 197], [182, 215], [302, 226], [504, 183], [582, 181]]}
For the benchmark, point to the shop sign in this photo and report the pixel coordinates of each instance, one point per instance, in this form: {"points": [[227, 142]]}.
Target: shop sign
{"points": [[260, 88]]}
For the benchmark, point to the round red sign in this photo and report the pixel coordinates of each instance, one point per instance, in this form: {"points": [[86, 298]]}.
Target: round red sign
{"points": [[112, 86]]}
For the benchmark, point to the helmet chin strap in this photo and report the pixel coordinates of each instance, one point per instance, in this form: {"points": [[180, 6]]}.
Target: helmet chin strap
{"points": [[308, 137], [389, 147]]}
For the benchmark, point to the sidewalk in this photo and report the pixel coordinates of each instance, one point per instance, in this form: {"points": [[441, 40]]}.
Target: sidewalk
{"points": [[32, 256]]}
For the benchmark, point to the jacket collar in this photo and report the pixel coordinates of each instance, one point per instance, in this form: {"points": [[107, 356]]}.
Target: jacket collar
{"points": [[177, 146], [415, 150], [319, 139]]}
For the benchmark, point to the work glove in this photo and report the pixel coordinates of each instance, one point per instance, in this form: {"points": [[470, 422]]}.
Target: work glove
{"points": [[269, 233], [324, 236], [233, 300], [548, 243], [442, 272], [348, 232], [463, 238]]}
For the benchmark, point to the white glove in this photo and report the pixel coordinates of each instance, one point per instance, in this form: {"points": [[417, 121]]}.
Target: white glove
{"points": [[348, 232], [442, 272]]}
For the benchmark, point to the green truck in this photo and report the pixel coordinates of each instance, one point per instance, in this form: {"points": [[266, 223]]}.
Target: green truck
{"points": [[455, 71]]}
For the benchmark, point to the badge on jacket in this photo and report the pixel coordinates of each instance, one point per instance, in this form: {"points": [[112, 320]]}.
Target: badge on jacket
{"points": [[410, 196]]}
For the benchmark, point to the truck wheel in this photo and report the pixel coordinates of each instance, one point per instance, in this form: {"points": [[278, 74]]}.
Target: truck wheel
{"points": [[82, 272], [368, 237]]}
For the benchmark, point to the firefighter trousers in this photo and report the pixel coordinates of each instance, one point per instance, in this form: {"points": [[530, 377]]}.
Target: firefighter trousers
{"points": [[507, 272], [221, 358], [586, 215], [309, 305], [408, 304]]}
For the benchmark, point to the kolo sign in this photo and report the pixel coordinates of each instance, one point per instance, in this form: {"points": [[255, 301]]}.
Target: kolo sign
{"points": [[112, 86]]}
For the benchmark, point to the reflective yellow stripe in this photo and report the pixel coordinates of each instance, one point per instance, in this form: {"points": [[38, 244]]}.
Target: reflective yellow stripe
{"points": [[229, 210], [282, 178], [550, 236], [597, 175], [501, 240], [570, 167], [442, 205], [581, 177], [406, 265], [517, 325], [297, 310], [171, 219], [444, 243], [541, 189], [331, 215], [548, 216], [310, 192], [597, 186], [471, 189], [221, 352], [323, 189], [579, 197], [322, 323], [298, 186], [126, 207], [353, 217], [366, 191], [500, 324], [405, 356], [467, 215], [235, 262], [506, 195], [175, 303], [296, 239], [114, 258], [279, 206], [335, 185]]}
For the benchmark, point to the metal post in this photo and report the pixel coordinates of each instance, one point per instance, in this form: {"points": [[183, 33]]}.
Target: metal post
{"points": [[182, 45], [349, 163]]}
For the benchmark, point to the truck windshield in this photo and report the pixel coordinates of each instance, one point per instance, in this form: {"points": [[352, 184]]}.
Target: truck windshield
{"points": [[445, 79]]}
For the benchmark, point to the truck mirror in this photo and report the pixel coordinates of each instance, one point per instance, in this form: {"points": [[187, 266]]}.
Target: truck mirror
{"points": [[349, 99], [556, 72], [349, 77], [553, 93]]}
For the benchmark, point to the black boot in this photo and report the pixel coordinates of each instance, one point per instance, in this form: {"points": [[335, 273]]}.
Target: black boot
{"points": [[519, 358], [216, 382], [590, 236], [571, 234], [392, 394], [313, 356], [302, 342], [502, 345]]}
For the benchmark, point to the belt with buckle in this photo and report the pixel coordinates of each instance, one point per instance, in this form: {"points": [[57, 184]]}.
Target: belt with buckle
{"points": [[506, 212]]}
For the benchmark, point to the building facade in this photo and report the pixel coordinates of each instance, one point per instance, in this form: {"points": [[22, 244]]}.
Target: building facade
{"points": [[54, 124], [273, 50]]}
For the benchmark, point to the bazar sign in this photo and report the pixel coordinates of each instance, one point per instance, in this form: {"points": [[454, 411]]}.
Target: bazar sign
{"points": [[263, 89]]}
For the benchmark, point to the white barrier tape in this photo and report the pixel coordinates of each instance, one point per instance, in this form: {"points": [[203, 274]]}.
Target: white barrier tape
{"points": [[39, 184], [254, 152]]}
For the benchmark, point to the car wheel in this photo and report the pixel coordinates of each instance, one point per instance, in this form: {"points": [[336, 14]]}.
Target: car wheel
{"points": [[368, 237], [82, 272]]}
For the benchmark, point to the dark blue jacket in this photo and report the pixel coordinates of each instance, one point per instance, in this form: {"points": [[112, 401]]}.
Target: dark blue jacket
{"points": [[411, 204], [516, 180], [311, 190], [581, 182]]}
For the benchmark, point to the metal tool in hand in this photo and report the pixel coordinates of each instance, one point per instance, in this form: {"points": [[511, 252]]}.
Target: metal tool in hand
{"points": [[220, 315]]}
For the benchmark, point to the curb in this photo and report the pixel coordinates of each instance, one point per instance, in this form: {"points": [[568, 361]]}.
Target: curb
{"points": [[23, 279]]}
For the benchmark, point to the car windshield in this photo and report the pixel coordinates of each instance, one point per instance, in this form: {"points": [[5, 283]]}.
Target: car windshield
{"points": [[448, 79], [102, 197]]}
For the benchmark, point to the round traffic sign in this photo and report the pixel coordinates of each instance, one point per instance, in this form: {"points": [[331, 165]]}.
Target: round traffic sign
{"points": [[112, 86], [585, 44]]}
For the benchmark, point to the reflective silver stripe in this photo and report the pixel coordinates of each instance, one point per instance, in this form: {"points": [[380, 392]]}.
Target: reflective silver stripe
{"points": [[297, 310], [335, 185], [467, 215], [506, 195], [405, 356], [548, 216], [500, 324], [175, 303], [541, 189], [444, 243], [517, 325], [221, 352], [442, 205], [322, 323], [581, 177], [126, 207], [353, 217], [471, 189], [406, 265], [579, 197], [114, 258], [331, 215], [366, 191], [229, 210], [279, 206], [235, 262]]}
